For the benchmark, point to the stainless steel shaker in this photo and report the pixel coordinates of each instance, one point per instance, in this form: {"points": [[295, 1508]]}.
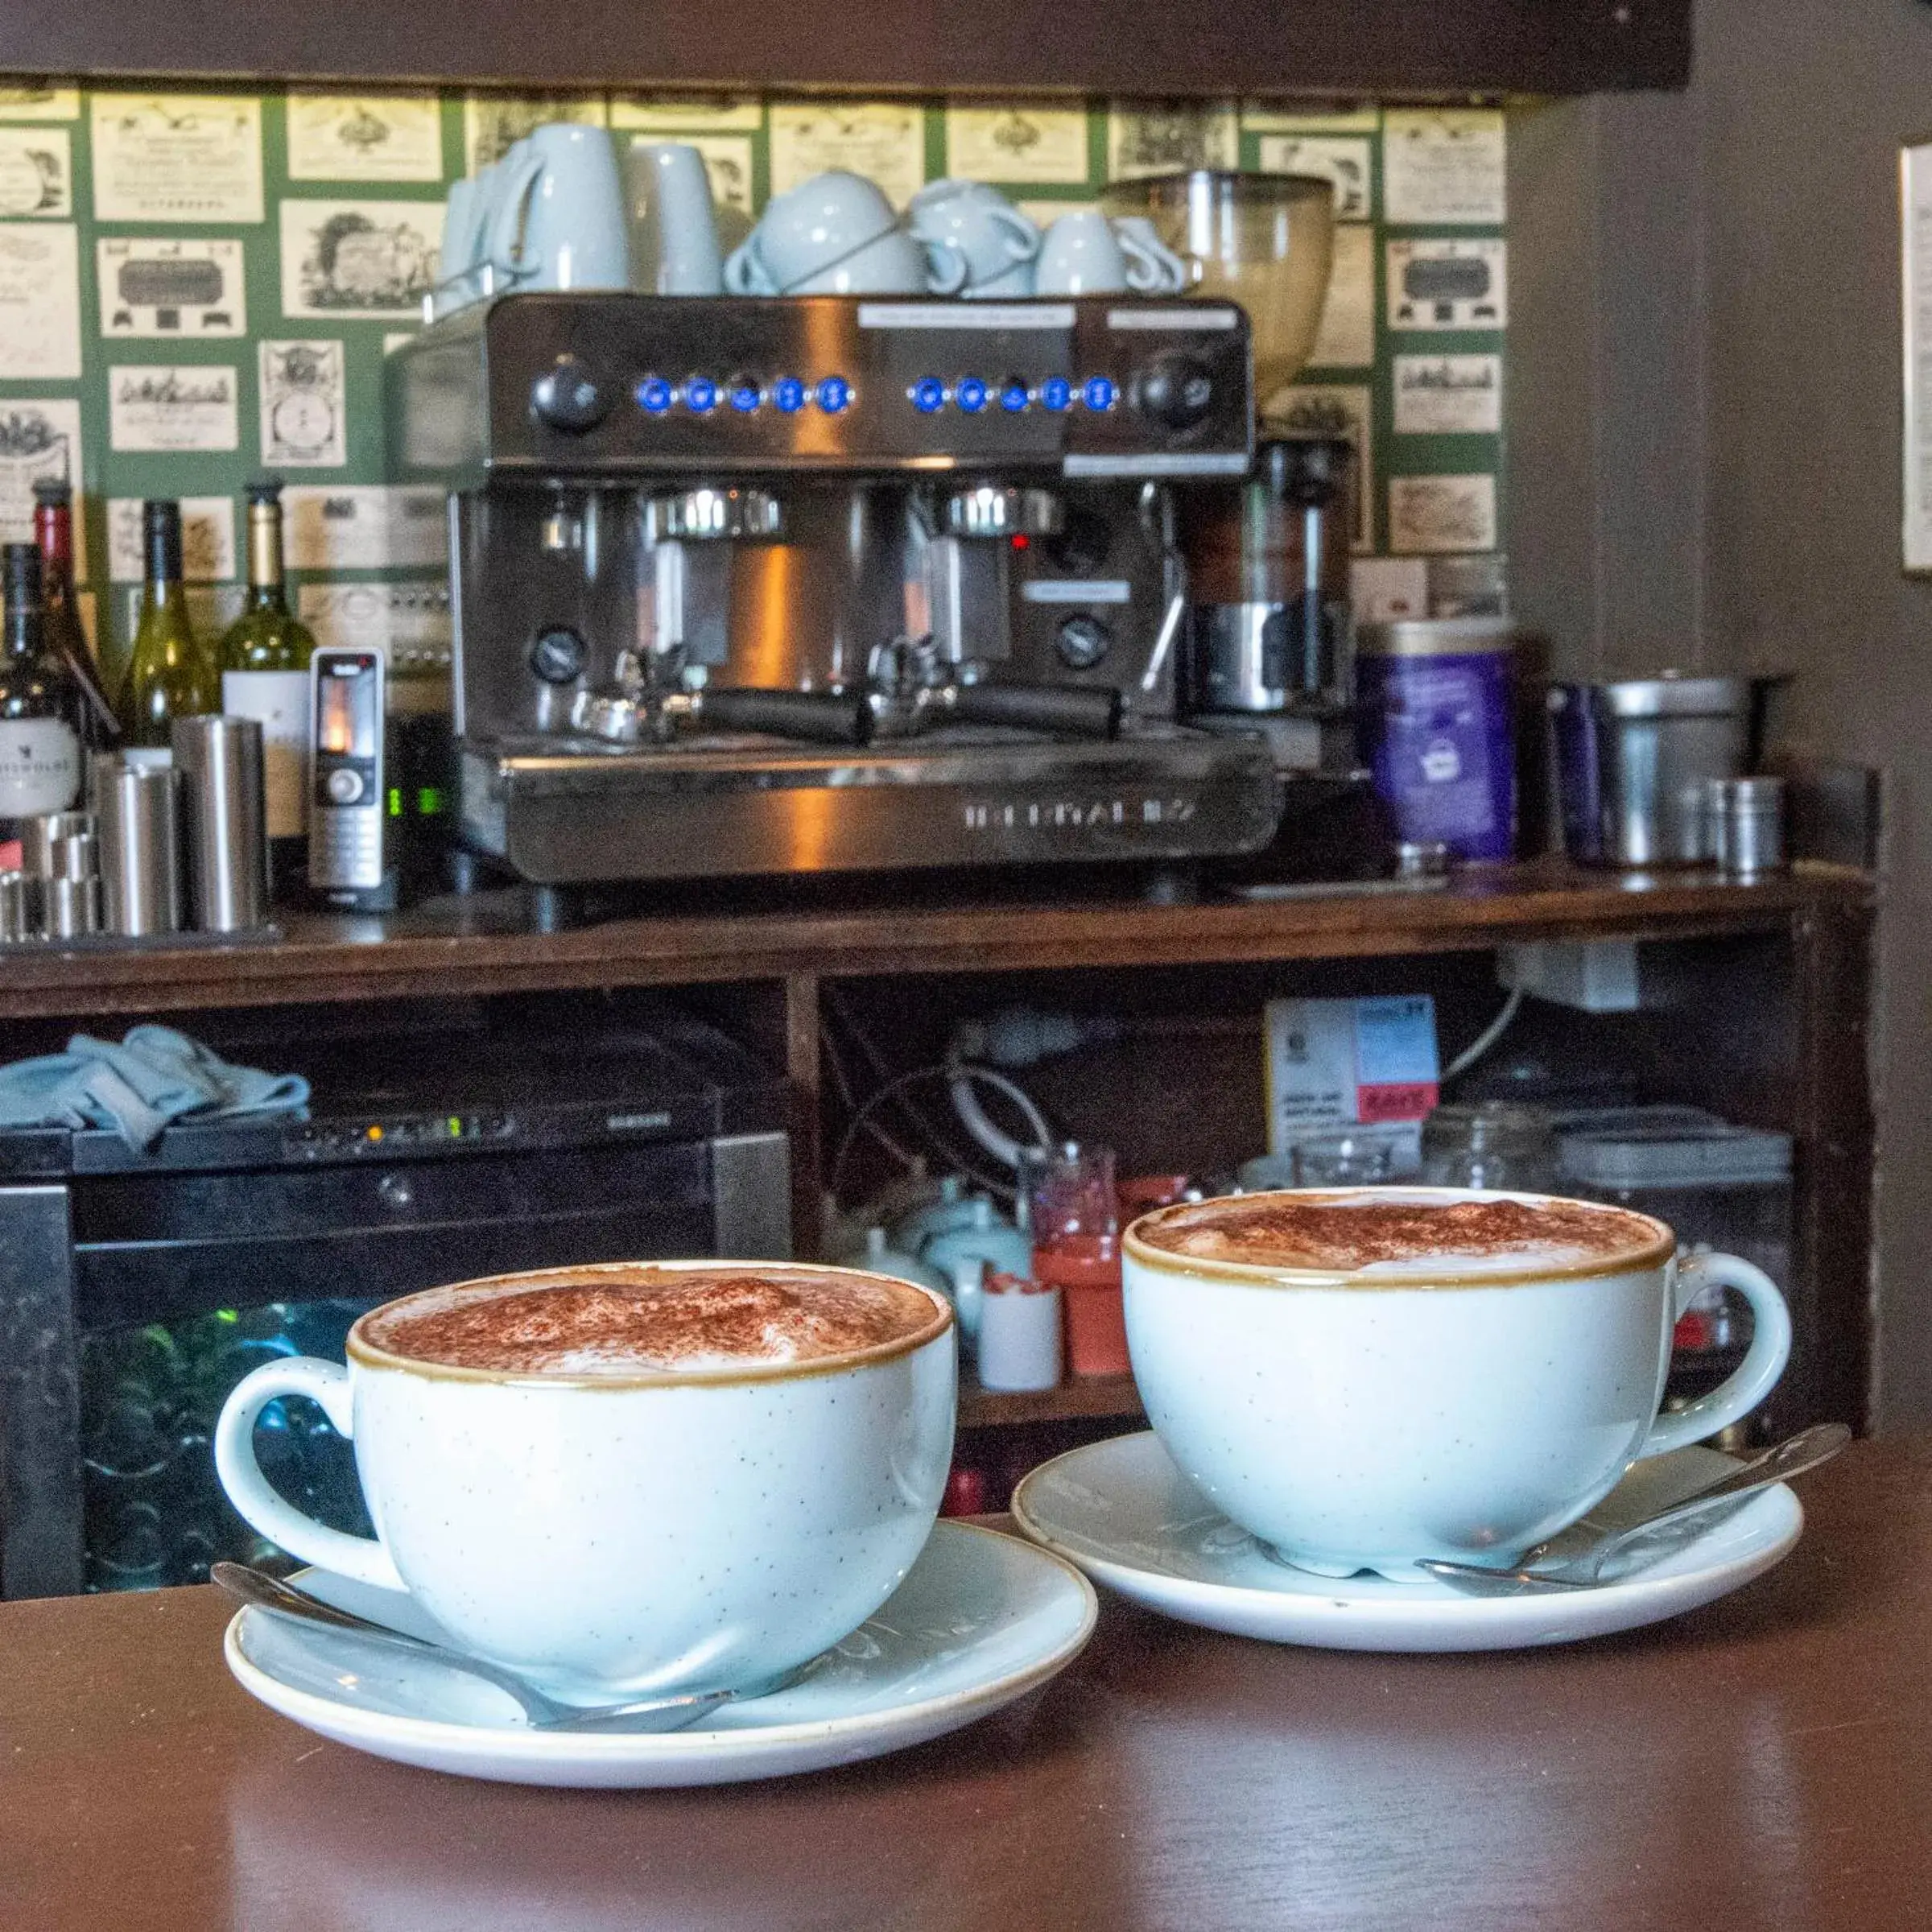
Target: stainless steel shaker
{"points": [[224, 822], [136, 809]]}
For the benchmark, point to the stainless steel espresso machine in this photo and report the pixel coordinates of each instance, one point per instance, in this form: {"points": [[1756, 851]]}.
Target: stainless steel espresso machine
{"points": [[829, 584]]}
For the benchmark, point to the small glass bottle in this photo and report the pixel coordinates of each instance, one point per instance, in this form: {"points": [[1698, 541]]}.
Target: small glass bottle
{"points": [[265, 657], [170, 673], [39, 741]]}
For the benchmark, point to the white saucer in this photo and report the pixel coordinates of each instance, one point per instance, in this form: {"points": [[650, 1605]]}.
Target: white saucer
{"points": [[1122, 1511], [980, 1620]]}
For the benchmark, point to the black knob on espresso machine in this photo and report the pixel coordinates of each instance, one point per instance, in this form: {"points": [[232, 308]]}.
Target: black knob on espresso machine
{"points": [[570, 396], [1175, 390]]}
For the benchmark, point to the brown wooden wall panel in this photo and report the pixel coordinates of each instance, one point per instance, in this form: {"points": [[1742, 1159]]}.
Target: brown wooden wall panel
{"points": [[1387, 47]]}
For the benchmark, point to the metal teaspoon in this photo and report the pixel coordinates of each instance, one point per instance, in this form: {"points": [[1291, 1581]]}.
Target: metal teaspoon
{"points": [[261, 1591], [1792, 1457]]}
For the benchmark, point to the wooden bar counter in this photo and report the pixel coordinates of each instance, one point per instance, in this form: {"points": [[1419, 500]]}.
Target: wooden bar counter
{"points": [[1766, 1762]]}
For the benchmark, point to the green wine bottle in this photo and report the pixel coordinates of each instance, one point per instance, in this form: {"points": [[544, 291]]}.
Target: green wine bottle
{"points": [[264, 655], [170, 674]]}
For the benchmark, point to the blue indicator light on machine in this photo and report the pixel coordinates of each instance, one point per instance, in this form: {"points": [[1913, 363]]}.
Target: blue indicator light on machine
{"points": [[971, 395], [1056, 392], [653, 396], [1014, 398], [1098, 393], [788, 394], [700, 395], [928, 395], [744, 398], [835, 392]]}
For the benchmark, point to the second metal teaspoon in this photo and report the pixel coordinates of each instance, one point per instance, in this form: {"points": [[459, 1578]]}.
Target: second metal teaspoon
{"points": [[1792, 1457]]}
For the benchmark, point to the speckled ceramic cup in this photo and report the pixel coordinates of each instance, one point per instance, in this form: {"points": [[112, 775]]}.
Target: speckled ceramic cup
{"points": [[614, 1534], [1436, 1403]]}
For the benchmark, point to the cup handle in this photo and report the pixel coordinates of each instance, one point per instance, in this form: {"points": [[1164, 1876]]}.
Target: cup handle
{"points": [[950, 279], [743, 272], [1756, 1374], [327, 1383], [1146, 273], [1022, 237], [503, 242]]}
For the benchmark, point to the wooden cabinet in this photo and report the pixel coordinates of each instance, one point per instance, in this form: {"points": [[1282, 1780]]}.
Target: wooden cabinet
{"points": [[1374, 48]]}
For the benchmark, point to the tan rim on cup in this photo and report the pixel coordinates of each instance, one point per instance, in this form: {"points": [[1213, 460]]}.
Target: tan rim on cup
{"points": [[369, 1355], [1263, 1274]]}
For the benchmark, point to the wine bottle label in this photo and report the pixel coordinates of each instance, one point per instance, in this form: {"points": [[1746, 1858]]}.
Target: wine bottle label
{"points": [[39, 766], [278, 701]]}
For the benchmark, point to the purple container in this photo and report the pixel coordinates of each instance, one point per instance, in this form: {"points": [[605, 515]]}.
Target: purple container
{"points": [[1435, 719]]}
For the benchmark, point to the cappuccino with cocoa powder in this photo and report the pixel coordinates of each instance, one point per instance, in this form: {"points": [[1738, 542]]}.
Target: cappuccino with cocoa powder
{"points": [[626, 1318], [1385, 1231]]}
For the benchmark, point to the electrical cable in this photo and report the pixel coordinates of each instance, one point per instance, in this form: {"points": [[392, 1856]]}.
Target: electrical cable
{"points": [[974, 1118], [1487, 1038], [889, 1091], [905, 1157]]}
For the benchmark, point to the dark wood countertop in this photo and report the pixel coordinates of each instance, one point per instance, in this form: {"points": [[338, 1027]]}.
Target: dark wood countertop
{"points": [[1763, 1762], [489, 946]]}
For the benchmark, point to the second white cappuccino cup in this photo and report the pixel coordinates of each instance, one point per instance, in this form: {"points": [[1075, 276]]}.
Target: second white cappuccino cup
{"points": [[616, 1535], [1359, 1419]]}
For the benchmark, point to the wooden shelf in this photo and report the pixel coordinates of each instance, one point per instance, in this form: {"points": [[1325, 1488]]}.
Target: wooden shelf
{"points": [[491, 945], [1099, 1397], [1351, 47]]}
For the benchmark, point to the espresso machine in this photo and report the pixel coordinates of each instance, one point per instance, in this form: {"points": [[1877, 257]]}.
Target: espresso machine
{"points": [[748, 586]]}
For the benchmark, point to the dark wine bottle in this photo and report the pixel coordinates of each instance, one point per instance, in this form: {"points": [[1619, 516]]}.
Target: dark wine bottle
{"points": [[66, 636], [39, 705]]}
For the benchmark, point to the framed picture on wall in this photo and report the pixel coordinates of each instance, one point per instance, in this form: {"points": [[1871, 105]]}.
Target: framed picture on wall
{"points": [[1915, 262]]}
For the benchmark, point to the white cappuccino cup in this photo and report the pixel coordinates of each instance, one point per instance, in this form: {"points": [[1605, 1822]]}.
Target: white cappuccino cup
{"points": [[1422, 1387], [612, 1529]]}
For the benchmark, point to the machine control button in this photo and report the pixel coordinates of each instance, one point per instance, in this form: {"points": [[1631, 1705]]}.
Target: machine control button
{"points": [[969, 392], [1176, 391], [1014, 396], [1083, 641], [653, 396], [568, 396], [557, 656], [1056, 394], [928, 395], [344, 786], [834, 394], [1100, 394], [746, 394], [788, 395], [700, 395]]}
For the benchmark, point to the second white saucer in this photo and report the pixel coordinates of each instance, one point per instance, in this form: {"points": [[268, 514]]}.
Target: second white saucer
{"points": [[1125, 1515]]}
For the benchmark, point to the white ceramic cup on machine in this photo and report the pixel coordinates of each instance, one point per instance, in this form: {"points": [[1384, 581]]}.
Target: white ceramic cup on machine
{"points": [[464, 212], [837, 234], [998, 241], [1461, 1393], [558, 217], [610, 1528], [679, 234], [1085, 253]]}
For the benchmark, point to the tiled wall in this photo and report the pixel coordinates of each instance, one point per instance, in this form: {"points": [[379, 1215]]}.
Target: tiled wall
{"points": [[196, 287]]}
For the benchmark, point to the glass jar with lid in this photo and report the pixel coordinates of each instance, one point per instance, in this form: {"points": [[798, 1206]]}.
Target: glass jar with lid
{"points": [[1491, 1144]]}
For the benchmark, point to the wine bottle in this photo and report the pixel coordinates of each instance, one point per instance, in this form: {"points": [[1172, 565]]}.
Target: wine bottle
{"points": [[39, 743], [66, 636], [169, 674], [264, 655]]}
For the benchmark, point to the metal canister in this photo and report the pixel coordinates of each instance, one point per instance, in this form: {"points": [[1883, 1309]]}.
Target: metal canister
{"points": [[19, 907], [73, 907], [224, 821], [1435, 703], [1744, 821], [136, 809], [42, 838]]}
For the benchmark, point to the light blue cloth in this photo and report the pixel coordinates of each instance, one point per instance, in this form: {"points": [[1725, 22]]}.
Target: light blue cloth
{"points": [[154, 1077]]}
